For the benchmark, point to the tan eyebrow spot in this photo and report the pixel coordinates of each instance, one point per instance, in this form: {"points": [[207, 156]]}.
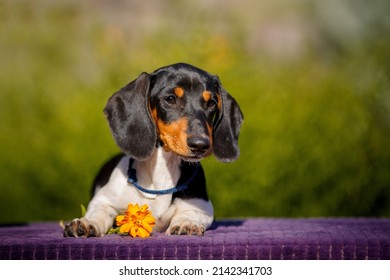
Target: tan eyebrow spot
{"points": [[206, 95], [179, 92]]}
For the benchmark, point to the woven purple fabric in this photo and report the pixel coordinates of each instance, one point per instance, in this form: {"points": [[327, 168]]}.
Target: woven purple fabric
{"points": [[346, 238]]}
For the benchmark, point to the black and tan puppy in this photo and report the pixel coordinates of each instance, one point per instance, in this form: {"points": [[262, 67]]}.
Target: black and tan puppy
{"points": [[165, 123]]}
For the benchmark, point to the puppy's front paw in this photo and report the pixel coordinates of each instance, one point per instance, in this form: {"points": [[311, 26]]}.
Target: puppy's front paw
{"points": [[81, 228], [186, 228]]}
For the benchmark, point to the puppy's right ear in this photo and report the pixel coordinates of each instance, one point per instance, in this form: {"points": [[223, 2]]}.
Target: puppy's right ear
{"points": [[127, 112]]}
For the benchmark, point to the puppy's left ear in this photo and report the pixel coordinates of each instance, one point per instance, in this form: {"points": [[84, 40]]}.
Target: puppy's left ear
{"points": [[127, 112], [227, 128]]}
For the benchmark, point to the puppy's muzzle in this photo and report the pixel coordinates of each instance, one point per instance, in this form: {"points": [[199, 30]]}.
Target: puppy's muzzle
{"points": [[199, 145]]}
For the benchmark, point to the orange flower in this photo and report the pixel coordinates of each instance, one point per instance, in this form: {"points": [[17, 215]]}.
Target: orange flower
{"points": [[137, 221]]}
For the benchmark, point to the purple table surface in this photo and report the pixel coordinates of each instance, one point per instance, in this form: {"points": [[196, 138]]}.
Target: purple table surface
{"points": [[252, 238]]}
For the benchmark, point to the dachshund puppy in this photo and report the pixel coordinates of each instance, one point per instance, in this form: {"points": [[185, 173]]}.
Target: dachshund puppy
{"points": [[164, 123]]}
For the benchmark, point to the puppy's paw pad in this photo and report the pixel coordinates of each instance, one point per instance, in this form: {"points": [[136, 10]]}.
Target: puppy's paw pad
{"points": [[80, 228], [187, 228], [175, 230]]}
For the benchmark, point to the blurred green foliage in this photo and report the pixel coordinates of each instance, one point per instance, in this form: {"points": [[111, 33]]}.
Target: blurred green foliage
{"points": [[312, 78]]}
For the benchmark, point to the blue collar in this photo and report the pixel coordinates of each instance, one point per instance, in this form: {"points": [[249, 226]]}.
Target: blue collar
{"points": [[132, 179]]}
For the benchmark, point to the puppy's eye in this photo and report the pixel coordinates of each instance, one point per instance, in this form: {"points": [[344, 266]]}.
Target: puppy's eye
{"points": [[211, 104], [170, 99]]}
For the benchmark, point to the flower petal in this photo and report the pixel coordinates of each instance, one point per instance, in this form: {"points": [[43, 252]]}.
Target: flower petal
{"points": [[143, 233], [136, 221], [132, 209], [125, 228], [133, 232], [149, 220], [147, 227], [120, 220]]}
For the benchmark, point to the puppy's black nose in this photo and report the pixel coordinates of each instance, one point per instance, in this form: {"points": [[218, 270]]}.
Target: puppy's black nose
{"points": [[198, 145]]}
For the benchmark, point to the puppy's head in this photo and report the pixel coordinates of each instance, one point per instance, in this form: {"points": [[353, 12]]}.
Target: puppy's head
{"points": [[182, 108]]}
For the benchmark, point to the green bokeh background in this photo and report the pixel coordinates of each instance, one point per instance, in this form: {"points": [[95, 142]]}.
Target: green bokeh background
{"points": [[312, 78]]}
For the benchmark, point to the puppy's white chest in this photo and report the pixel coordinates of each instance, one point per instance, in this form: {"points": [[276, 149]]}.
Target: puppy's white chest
{"points": [[160, 173]]}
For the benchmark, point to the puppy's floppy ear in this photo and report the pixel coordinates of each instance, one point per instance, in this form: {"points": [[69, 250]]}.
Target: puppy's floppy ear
{"points": [[128, 115], [227, 128]]}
